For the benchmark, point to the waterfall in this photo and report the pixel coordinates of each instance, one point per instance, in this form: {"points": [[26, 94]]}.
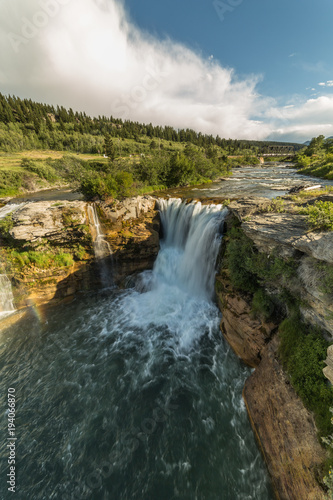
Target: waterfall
{"points": [[10, 208], [192, 237], [6, 296], [102, 249], [177, 294]]}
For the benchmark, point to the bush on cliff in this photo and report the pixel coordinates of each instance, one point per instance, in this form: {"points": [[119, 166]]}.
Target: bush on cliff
{"points": [[302, 352], [248, 268]]}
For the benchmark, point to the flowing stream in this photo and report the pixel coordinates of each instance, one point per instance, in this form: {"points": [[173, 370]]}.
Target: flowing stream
{"points": [[133, 394]]}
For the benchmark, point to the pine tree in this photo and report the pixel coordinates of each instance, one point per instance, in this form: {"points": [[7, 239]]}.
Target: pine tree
{"points": [[109, 147]]}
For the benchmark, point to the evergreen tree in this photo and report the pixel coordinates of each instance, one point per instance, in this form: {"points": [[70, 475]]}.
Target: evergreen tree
{"points": [[109, 149]]}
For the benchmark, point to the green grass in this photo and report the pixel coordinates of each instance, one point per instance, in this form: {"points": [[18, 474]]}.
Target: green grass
{"points": [[40, 260]]}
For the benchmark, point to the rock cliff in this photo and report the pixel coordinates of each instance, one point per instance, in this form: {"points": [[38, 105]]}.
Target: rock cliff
{"points": [[285, 430]]}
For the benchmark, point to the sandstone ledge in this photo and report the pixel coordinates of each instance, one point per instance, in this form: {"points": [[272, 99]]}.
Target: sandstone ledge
{"points": [[285, 431]]}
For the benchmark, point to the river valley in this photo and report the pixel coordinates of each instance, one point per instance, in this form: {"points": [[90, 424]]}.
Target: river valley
{"points": [[134, 393]]}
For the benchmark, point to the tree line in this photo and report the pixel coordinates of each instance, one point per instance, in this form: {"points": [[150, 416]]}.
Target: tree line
{"points": [[25, 124]]}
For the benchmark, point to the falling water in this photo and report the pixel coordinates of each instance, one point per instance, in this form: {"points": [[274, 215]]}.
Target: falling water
{"points": [[102, 249], [134, 394], [6, 296], [10, 208]]}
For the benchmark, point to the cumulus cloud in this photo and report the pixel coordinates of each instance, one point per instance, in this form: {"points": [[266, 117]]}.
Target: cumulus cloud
{"points": [[88, 55]]}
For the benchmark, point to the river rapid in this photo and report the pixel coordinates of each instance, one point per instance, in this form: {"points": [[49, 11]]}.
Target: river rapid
{"points": [[267, 180], [134, 394]]}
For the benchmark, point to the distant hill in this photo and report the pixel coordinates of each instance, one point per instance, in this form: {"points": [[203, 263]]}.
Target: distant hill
{"points": [[307, 143]]}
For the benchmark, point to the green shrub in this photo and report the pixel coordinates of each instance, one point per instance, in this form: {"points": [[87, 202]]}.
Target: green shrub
{"points": [[79, 252], [248, 268], [10, 182], [6, 224], [320, 215], [238, 254], [262, 305], [94, 186], [43, 171]]}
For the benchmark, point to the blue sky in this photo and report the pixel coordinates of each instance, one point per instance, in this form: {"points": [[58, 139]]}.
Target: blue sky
{"points": [[289, 43], [247, 69]]}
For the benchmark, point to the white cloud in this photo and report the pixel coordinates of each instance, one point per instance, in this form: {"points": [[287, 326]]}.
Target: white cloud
{"points": [[322, 84], [309, 119], [88, 55]]}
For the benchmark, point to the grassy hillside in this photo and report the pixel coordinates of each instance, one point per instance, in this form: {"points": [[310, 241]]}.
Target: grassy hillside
{"points": [[317, 158]]}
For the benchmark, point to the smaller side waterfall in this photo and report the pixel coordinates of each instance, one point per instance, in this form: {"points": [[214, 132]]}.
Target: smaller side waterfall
{"points": [[10, 208], [6, 296], [102, 249]]}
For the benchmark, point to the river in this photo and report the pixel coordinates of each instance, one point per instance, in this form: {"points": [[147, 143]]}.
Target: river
{"points": [[134, 394], [267, 180]]}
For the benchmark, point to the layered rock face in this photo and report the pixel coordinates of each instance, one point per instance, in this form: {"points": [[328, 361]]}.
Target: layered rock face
{"points": [[52, 228], [131, 229], [285, 430], [287, 235], [246, 334]]}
